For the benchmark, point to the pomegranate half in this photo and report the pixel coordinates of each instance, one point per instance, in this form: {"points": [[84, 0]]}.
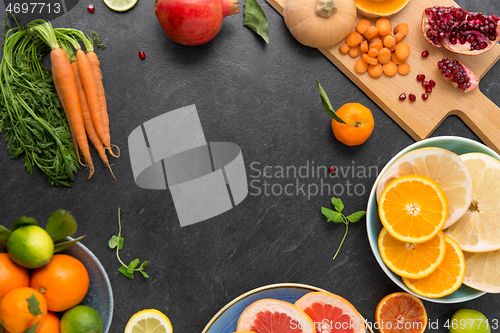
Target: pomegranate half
{"points": [[460, 31], [193, 22], [458, 75]]}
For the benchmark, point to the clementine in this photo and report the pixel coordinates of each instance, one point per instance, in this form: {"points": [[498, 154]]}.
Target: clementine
{"points": [[12, 276], [15, 314], [359, 125], [50, 324], [64, 281]]}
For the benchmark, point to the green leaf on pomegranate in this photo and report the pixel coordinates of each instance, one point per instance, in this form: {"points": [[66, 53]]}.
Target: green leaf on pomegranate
{"points": [[256, 19]]}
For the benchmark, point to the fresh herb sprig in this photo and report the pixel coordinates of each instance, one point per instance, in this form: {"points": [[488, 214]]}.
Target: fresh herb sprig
{"points": [[336, 216], [127, 270]]}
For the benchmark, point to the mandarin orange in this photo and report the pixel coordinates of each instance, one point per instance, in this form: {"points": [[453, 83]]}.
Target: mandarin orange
{"points": [[12, 276], [15, 315]]}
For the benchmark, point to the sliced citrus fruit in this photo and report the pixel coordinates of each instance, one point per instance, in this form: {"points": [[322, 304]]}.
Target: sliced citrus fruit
{"points": [[446, 278], [483, 271], [271, 315], [478, 230], [440, 165], [120, 5], [402, 313], [377, 8], [331, 313], [413, 208], [149, 321], [412, 260]]}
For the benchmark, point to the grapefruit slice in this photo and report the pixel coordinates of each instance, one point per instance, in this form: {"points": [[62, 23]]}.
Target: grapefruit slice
{"points": [[478, 230], [331, 313], [483, 271], [401, 313], [440, 165], [271, 315], [446, 278]]}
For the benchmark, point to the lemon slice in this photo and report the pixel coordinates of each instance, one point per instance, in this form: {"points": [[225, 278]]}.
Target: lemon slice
{"points": [[483, 271], [120, 5], [478, 230], [440, 165], [149, 321]]}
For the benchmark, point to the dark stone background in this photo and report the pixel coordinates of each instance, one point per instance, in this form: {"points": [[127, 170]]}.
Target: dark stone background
{"points": [[261, 97]]}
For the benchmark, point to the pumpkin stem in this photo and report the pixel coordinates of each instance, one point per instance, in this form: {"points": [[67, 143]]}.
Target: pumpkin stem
{"points": [[326, 8]]}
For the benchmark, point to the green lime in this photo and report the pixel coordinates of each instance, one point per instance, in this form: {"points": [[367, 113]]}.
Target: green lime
{"points": [[30, 246], [81, 319], [469, 321], [120, 5]]}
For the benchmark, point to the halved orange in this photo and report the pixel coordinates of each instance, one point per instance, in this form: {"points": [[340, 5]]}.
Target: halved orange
{"points": [[331, 313], [401, 313], [413, 208], [412, 260], [271, 315], [446, 278]]}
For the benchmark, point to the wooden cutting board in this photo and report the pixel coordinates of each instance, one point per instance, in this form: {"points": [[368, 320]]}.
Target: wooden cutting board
{"points": [[421, 118]]}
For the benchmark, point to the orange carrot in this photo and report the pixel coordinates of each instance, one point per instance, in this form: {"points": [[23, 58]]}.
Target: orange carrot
{"points": [[61, 70], [90, 87], [87, 118]]}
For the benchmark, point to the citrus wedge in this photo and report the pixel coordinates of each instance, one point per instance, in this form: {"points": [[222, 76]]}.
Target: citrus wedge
{"points": [[331, 313], [483, 271], [271, 315], [413, 208], [378, 8], [411, 260], [401, 313], [440, 165], [478, 230], [446, 278], [149, 321], [120, 5]]}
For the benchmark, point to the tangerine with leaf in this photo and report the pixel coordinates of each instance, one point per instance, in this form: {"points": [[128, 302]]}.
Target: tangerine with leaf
{"points": [[21, 309]]}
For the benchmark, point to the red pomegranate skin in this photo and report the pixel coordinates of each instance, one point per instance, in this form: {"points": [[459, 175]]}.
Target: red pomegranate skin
{"points": [[193, 22]]}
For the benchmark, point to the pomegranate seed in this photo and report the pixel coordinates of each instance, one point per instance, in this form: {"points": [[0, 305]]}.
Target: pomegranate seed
{"points": [[332, 169], [402, 97], [425, 54], [426, 84], [428, 89], [420, 77], [142, 55], [413, 98], [90, 8], [432, 83], [425, 97]]}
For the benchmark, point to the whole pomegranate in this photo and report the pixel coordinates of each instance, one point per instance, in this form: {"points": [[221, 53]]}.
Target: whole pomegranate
{"points": [[193, 22], [459, 30], [458, 75]]}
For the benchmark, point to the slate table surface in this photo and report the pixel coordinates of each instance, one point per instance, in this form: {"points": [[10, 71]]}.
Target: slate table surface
{"points": [[262, 97]]}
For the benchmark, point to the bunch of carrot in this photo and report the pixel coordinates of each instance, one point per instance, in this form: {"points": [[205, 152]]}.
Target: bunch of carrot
{"points": [[78, 81]]}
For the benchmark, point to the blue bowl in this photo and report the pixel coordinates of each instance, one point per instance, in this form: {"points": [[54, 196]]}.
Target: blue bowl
{"points": [[100, 295], [455, 144], [226, 319]]}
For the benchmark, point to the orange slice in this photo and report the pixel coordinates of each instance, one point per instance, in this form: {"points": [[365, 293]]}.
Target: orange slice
{"points": [[446, 278], [271, 315], [413, 208], [412, 260], [378, 8], [331, 313], [401, 313]]}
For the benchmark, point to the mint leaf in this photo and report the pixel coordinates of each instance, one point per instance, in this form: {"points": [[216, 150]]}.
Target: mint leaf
{"points": [[338, 204], [332, 216], [113, 242], [327, 106], [125, 272], [4, 235], [21, 222], [256, 19], [355, 217], [34, 306], [61, 224], [131, 267], [33, 328]]}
